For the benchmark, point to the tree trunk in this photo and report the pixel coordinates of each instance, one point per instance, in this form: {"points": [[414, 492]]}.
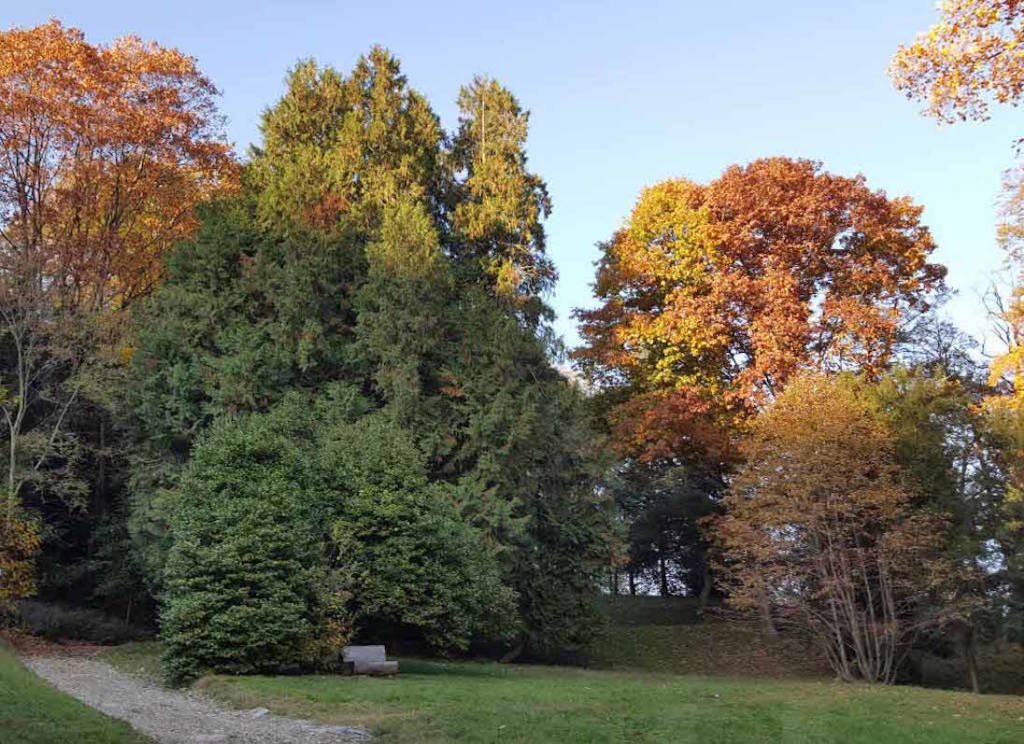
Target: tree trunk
{"points": [[632, 583], [705, 588], [971, 658], [101, 472], [663, 577], [615, 582], [12, 459], [766, 617], [515, 652]]}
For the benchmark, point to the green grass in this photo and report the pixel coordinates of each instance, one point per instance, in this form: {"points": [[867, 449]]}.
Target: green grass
{"points": [[641, 610], [485, 702], [32, 712], [711, 648], [138, 657], [710, 682]]}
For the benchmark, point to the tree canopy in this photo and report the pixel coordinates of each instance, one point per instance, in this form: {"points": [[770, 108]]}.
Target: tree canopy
{"points": [[819, 530], [968, 60], [714, 296]]}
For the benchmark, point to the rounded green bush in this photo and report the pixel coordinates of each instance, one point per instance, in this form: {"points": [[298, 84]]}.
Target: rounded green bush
{"points": [[247, 587]]}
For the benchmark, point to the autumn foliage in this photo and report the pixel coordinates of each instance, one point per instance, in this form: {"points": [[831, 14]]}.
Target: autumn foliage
{"points": [[820, 531], [105, 151], [19, 543], [972, 57], [714, 296]]}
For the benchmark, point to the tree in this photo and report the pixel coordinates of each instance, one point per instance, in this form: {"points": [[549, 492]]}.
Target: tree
{"points": [[663, 505], [107, 149], [1004, 406], [953, 464], [328, 269], [297, 527], [336, 150], [820, 525], [248, 587], [42, 350], [497, 220], [1005, 304], [969, 59], [409, 564], [104, 152], [1007, 423], [714, 296]]}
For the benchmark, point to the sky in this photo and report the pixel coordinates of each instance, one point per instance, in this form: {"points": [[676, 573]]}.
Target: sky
{"points": [[623, 95]]}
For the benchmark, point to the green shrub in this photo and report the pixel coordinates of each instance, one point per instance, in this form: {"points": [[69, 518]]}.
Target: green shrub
{"points": [[247, 586], [408, 561]]}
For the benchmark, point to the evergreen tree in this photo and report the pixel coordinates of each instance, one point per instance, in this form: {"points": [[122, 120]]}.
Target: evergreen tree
{"points": [[410, 566], [497, 219], [343, 261], [336, 150], [247, 587]]}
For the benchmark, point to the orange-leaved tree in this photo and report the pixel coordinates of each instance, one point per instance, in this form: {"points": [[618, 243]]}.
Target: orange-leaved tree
{"points": [[1005, 407], [714, 296], [104, 153], [972, 57], [1006, 304], [820, 531]]}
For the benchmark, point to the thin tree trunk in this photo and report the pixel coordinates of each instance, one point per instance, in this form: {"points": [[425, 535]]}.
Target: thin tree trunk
{"points": [[971, 658], [10, 480], [515, 652], [705, 588], [766, 616], [632, 583], [663, 576], [101, 472]]}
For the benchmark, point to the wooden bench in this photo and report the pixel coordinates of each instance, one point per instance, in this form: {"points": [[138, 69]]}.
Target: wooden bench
{"points": [[370, 660]]}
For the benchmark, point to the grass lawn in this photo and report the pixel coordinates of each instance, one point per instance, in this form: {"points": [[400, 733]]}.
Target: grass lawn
{"points": [[435, 701], [468, 701], [32, 712], [707, 649], [664, 634]]}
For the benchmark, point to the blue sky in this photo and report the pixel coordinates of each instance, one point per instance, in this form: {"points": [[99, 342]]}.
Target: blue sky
{"points": [[623, 95]]}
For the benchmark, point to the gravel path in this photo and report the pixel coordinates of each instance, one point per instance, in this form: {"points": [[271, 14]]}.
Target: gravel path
{"points": [[176, 717]]}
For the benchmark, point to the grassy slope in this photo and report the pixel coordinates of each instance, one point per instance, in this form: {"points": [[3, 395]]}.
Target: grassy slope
{"points": [[657, 634], [468, 701], [32, 712]]}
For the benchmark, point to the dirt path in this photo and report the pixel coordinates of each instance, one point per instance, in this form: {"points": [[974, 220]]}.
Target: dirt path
{"points": [[173, 716]]}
